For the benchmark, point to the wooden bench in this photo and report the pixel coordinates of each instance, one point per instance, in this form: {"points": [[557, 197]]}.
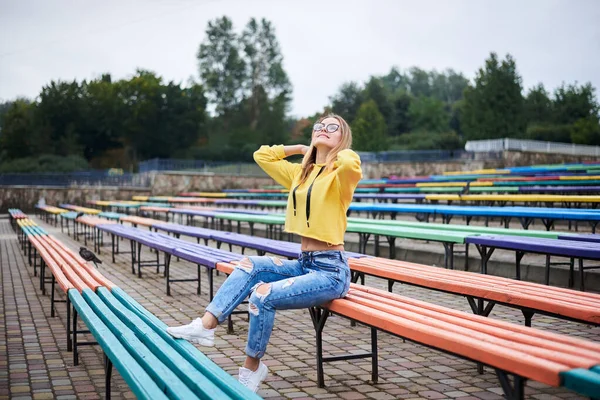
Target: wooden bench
{"points": [[572, 249], [152, 363], [530, 298], [523, 352], [50, 213]]}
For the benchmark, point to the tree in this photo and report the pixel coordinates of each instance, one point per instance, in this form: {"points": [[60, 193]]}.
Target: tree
{"points": [[538, 106], [221, 66], [448, 86], [572, 103], [266, 79], [60, 112], [400, 122], [347, 101], [428, 114], [17, 139], [586, 131], [375, 91], [369, 131], [493, 108], [420, 82]]}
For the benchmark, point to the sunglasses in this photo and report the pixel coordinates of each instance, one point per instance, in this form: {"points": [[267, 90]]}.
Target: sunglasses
{"points": [[329, 128]]}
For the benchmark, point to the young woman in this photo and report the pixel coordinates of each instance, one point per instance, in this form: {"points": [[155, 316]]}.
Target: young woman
{"points": [[321, 189]]}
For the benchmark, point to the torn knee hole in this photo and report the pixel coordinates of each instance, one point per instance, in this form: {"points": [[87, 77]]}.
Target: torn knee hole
{"points": [[245, 264], [276, 260], [288, 283], [263, 290], [252, 308]]}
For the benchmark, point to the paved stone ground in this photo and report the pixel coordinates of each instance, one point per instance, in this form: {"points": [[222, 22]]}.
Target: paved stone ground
{"points": [[34, 363]]}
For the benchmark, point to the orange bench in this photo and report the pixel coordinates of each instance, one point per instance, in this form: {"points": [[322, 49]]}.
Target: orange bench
{"points": [[510, 349], [530, 298]]}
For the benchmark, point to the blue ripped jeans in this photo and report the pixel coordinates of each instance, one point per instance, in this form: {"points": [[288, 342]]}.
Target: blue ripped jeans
{"points": [[313, 279]]}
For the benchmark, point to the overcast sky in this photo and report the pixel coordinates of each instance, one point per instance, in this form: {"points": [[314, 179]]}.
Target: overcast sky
{"points": [[324, 42]]}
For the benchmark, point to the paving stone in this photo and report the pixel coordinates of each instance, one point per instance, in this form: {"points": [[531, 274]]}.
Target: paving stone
{"points": [[35, 361]]}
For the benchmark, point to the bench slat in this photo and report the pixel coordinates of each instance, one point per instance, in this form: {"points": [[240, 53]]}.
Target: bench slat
{"points": [[139, 381], [582, 381], [227, 383], [161, 374], [200, 384]]}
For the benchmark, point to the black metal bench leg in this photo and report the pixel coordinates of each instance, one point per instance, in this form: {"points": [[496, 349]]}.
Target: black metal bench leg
{"points": [[571, 272], [319, 317], [374, 362], [132, 256], [74, 332], [581, 276], [52, 314], [107, 375], [514, 391], [113, 246], [199, 290], [518, 257], [139, 259], [168, 272], [43, 277], [35, 261], [209, 271], [392, 244], [69, 343], [528, 314], [229, 325]]}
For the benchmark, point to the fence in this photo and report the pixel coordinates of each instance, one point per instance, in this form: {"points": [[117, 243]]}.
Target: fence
{"points": [[217, 167], [87, 178], [224, 167], [534, 146]]}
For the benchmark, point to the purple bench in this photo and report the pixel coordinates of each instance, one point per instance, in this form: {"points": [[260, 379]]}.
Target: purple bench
{"points": [[569, 246], [261, 245], [198, 254]]}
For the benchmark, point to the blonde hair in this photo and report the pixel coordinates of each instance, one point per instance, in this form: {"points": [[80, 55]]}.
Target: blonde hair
{"points": [[310, 158]]}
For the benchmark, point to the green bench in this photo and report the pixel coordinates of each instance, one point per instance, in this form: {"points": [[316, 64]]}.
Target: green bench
{"points": [[152, 363]]}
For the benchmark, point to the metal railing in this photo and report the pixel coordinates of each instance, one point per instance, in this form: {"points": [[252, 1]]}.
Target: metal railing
{"points": [[251, 169], [70, 179], [216, 167], [534, 146]]}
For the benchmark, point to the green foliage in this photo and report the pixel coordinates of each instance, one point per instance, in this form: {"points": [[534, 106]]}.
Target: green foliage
{"points": [[142, 115], [427, 141], [45, 163], [428, 114], [348, 100], [538, 106], [549, 132], [369, 132], [572, 103], [248, 88], [18, 134], [106, 123], [586, 131], [493, 107], [221, 66]]}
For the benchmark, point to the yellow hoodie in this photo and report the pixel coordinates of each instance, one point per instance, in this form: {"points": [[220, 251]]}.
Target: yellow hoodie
{"points": [[330, 195]]}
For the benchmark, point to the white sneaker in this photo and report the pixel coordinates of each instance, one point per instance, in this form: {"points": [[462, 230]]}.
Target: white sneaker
{"points": [[253, 379], [194, 332]]}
